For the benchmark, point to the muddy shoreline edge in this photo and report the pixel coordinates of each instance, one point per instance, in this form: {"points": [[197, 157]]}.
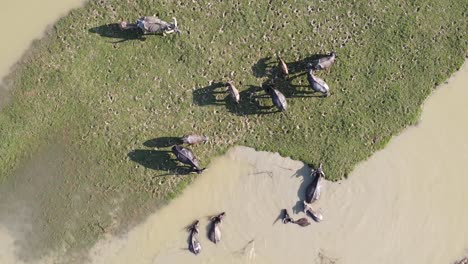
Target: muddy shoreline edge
{"points": [[170, 188]]}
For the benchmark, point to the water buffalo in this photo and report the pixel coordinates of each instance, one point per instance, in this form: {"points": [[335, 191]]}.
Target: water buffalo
{"points": [[313, 190], [287, 219], [152, 25], [194, 139], [283, 66], [215, 234], [278, 99], [194, 244], [324, 62], [233, 92], [317, 84], [316, 215], [186, 156]]}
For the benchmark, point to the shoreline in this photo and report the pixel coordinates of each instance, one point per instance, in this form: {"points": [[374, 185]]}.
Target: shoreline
{"points": [[13, 55], [371, 217], [97, 148], [377, 199]]}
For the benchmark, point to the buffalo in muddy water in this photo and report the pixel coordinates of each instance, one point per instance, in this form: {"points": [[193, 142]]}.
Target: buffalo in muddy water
{"points": [[287, 219], [312, 192], [302, 222], [152, 25], [316, 215], [214, 233], [194, 244], [186, 156]]}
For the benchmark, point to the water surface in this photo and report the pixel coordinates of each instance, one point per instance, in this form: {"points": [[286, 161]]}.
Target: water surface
{"points": [[24, 21]]}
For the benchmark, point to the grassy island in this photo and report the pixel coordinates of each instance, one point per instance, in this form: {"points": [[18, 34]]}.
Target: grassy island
{"points": [[101, 107]]}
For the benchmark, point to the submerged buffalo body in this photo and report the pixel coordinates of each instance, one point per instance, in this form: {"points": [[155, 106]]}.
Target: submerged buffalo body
{"points": [[194, 244], [215, 233]]}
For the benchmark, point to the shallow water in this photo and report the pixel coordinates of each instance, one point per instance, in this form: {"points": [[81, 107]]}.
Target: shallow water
{"points": [[27, 20], [406, 204], [24, 21]]}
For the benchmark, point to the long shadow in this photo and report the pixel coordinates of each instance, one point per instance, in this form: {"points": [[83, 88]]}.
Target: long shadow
{"points": [[163, 142], [253, 101], [263, 67], [113, 31], [268, 67], [207, 95], [158, 160], [280, 216], [299, 66], [305, 173]]}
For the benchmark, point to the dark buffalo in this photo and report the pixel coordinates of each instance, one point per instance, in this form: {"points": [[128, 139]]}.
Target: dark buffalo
{"points": [[152, 25], [278, 99], [287, 219], [317, 84], [194, 139], [186, 156], [313, 190], [194, 244], [324, 62], [215, 234]]}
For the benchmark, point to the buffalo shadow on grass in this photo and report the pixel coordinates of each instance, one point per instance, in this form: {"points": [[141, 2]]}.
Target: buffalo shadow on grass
{"points": [[249, 103], [113, 31], [158, 160], [207, 95], [163, 142], [268, 67], [252, 102]]}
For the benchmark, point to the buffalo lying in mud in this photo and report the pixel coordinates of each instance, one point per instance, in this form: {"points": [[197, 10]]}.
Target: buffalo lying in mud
{"points": [[215, 233], [194, 244], [233, 92], [301, 221]]}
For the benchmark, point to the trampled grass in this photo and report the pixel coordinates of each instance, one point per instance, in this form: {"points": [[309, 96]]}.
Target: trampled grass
{"points": [[106, 94]]}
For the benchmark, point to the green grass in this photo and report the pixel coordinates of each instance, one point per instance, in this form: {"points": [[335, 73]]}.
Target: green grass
{"points": [[104, 99]]}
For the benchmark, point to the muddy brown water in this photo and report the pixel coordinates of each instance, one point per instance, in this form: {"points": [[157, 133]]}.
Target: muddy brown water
{"points": [[24, 21], [406, 204]]}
